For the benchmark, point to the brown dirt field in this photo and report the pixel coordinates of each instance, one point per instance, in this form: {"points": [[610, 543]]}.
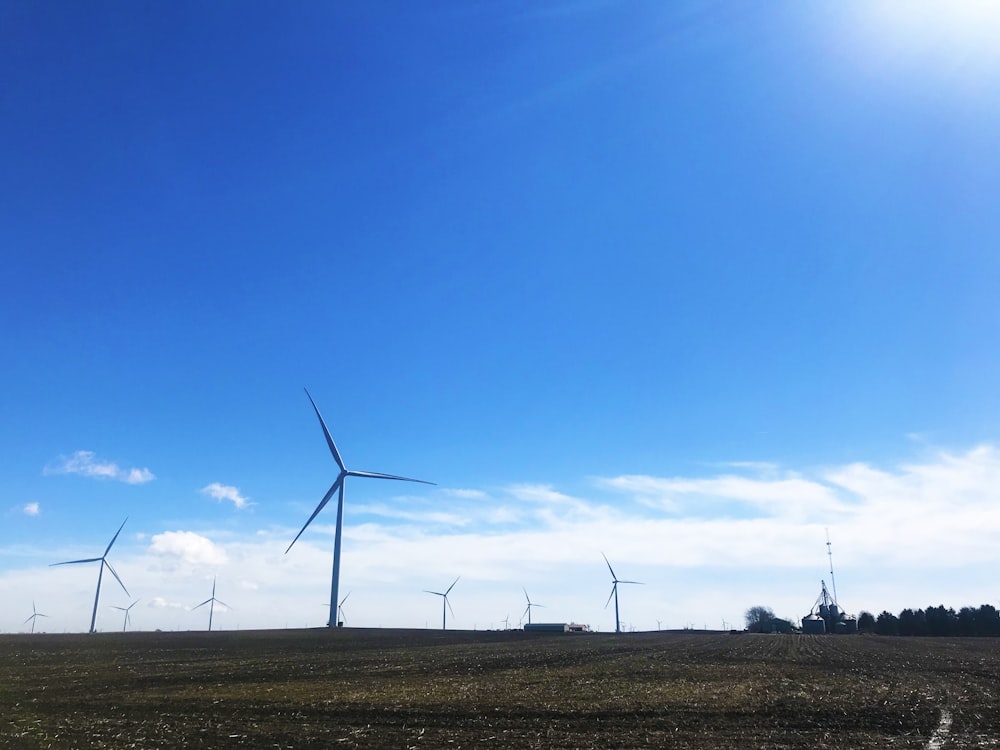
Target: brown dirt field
{"points": [[426, 689]]}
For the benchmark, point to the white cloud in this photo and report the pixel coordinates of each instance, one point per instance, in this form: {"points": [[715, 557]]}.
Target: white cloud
{"points": [[188, 547], [32, 509], [219, 491], [86, 464]]}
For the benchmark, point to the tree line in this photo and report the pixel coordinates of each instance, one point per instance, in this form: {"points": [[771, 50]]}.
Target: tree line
{"points": [[934, 621]]}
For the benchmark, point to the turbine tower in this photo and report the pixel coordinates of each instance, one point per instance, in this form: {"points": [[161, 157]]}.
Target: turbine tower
{"points": [[35, 614], [338, 485], [445, 604], [103, 560], [126, 611], [211, 605], [614, 592], [527, 610]]}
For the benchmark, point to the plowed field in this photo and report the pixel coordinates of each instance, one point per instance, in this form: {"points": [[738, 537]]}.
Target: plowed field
{"points": [[426, 689]]}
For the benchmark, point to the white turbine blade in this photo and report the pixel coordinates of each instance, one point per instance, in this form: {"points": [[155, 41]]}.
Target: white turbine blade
{"points": [[322, 504], [219, 601], [613, 589], [344, 599], [436, 593], [638, 582], [39, 614], [201, 605], [449, 606], [526, 611], [326, 432], [448, 590], [377, 475], [30, 617], [74, 562], [111, 543], [613, 576], [116, 576]]}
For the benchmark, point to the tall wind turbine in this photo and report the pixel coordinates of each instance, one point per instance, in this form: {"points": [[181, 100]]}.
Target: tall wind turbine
{"points": [[126, 611], [338, 484], [527, 610], [211, 605], [614, 592], [445, 605], [35, 614], [103, 560]]}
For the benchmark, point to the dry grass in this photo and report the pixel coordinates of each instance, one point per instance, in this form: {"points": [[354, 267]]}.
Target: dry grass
{"points": [[426, 689]]}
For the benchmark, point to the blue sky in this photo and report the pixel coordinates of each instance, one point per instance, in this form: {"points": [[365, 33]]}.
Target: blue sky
{"points": [[684, 283]]}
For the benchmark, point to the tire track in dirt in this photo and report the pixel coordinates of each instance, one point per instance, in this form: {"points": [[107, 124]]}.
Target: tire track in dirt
{"points": [[940, 735]]}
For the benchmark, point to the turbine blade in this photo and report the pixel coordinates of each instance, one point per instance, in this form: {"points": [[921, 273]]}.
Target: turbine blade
{"points": [[377, 475], [436, 593], [448, 590], [326, 432], [115, 537], [613, 589], [344, 599], [116, 577], [613, 576], [638, 582], [201, 605], [449, 606], [30, 617], [74, 562], [322, 504], [219, 601]]}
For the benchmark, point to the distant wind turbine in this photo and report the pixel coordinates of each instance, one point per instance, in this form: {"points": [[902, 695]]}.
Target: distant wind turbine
{"points": [[126, 611], [527, 610], [211, 605], [614, 592], [338, 484], [103, 560], [340, 609], [35, 614], [445, 605]]}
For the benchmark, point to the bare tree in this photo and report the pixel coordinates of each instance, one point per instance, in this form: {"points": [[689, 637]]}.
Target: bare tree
{"points": [[758, 619]]}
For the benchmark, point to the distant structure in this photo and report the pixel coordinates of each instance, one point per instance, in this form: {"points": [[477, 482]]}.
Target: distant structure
{"points": [[445, 604], [556, 627], [826, 615], [338, 485], [211, 605], [103, 560], [614, 593], [126, 610], [527, 610], [35, 614]]}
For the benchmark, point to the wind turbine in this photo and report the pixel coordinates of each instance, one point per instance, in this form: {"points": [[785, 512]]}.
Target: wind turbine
{"points": [[614, 592], [338, 484], [126, 611], [340, 609], [35, 614], [445, 605], [527, 610], [103, 560], [211, 605]]}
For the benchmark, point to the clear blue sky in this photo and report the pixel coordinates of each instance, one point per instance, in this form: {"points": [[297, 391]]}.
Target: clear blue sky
{"points": [[686, 283]]}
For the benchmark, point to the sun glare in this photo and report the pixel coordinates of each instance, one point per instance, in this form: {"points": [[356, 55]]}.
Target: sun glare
{"points": [[963, 25]]}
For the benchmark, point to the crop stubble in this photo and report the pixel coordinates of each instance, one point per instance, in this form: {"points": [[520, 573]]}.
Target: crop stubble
{"points": [[391, 688]]}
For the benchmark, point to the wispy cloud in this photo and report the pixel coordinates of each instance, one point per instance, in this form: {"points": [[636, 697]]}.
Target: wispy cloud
{"points": [[220, 492], [86, 464], [31, 509], [188, 547]]}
